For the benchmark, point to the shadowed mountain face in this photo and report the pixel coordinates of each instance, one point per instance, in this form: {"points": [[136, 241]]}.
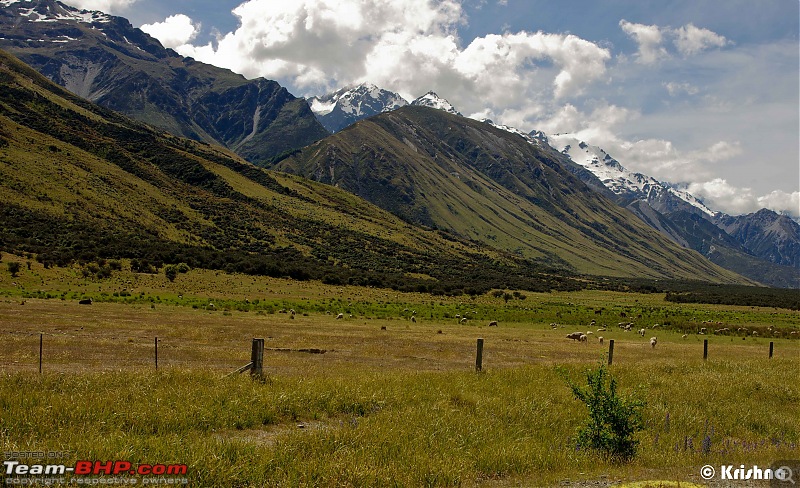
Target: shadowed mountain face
{"points": [[83, 182], [106, 60], [494, 187]]}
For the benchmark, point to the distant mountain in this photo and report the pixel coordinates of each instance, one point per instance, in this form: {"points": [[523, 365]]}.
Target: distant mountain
{"points": [[81, 182], [767, 235], [349, 105], [629, 186], [487, 185], [433, 100], [762, 246], [106, 60]]}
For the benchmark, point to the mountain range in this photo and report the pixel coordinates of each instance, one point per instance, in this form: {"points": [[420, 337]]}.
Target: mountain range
{"points": [[768, 251], [105, 59], [491, 189]]}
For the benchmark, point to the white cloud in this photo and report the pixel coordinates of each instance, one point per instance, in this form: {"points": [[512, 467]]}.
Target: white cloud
{"points": [[719, 194], [174, 32], [676, 89], [649, 39], [409, 46], [691, 40], [107, 6]]}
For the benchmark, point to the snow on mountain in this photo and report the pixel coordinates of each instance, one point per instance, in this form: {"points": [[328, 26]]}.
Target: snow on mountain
{"points": [[346, 106], [616, 177], [42, 12], [536, 137], [433, 100]]}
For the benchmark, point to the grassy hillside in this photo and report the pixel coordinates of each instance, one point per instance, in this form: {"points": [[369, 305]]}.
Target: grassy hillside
{"points": [[120, 67], [81, 182], [493, 187]]}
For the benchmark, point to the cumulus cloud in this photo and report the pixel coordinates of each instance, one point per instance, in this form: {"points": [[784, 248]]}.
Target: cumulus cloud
{"points": [[409, 46], [688, 40], [718, 193], [107, 6], [649, 39], [691, 40], [174, 32]]}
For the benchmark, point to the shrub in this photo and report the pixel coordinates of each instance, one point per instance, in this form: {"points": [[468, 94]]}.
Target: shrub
{"points": [[171, 272], [13, 268], [613, 420]]}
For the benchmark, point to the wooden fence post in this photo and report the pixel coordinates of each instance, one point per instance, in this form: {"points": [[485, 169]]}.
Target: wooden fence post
{"points": [[610, 351], [156, 346], [705, 349], [771, 347], [257, 358], [40, 353], [479, 357]]}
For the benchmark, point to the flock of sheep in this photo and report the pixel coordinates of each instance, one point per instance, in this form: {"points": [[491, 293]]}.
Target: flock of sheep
{"points": [[626, 326]]}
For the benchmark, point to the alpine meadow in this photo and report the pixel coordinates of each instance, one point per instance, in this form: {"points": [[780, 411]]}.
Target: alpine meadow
{"points": [[207, 281]]}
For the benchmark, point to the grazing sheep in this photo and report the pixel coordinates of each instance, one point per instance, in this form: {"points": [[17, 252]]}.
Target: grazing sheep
{"points": [[576, 336], [703, 331], [86, 301], [583, 338], [458, 315], [589, 332], [755, 334], [641, 332], [414, 319], [684, 336], [493, 323], [292, 311], [463, 321], [600, 338], [340, 316], [653, 342], [601, 329]]}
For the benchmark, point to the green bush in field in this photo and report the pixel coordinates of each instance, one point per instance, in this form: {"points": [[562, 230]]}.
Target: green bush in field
{"points": [[613, 420]]}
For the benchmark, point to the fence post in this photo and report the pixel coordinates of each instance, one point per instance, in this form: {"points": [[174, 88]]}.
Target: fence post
{"points": [[610, 351], [156, 346], [257, 358], [479, 356], [705, 349], [771, 346], [40, 353]]}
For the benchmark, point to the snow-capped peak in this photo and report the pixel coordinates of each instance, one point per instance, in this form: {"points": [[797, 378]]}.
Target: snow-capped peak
{"points": [[536, 138], [346, 106], [616, 177], [433, 100], [54, 11]]}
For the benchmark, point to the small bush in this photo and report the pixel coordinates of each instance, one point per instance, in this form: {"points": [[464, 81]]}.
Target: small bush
{"points": [[613, 420]]}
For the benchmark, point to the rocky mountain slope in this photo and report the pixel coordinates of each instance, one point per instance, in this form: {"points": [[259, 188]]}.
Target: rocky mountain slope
{"points": [[344, 107], [81, 182], [763, 246], [106, 60], [484, 184]]}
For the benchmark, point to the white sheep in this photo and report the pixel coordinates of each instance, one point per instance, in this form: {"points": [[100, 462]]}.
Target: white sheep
{"points": [[641, 332], [414, 319], [684, 336], [601, 339], [340, 316], [653, 342], [463, 321], [493, 323], [576, 336], [583, 338]]}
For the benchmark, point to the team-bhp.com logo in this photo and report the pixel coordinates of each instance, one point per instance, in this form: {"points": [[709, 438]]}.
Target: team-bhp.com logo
{"points": [[94, 468]]}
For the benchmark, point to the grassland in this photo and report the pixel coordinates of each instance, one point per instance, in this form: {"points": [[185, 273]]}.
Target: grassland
{"points": [[395, 407]]}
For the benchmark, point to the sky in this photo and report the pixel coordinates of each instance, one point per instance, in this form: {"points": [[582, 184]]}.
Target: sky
{"points": [[703, 94]]}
